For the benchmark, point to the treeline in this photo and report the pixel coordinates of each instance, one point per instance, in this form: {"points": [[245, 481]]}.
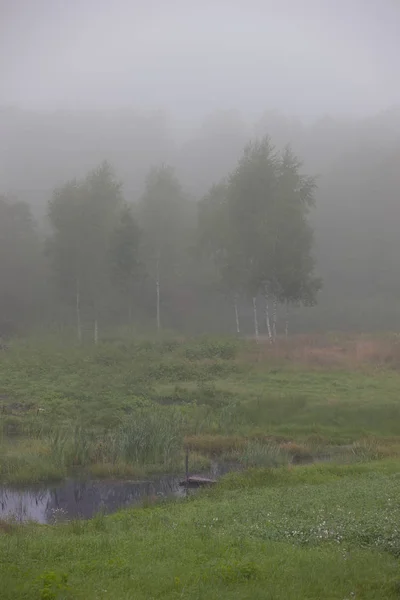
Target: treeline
{"points": [[108, 259], [201, 279]]}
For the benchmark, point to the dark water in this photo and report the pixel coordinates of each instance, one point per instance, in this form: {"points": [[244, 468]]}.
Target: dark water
{"points": [[83, 499]]}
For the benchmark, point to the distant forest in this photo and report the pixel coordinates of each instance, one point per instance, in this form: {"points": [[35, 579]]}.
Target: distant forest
{"points": [[110, 218]]}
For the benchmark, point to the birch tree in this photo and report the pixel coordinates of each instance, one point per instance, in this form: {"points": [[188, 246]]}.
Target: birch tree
{"points": [[127, 270], [251, 198], [83, 216], [294, 277], [268, 201], [65, 247], [217, 242], [163, 217]]}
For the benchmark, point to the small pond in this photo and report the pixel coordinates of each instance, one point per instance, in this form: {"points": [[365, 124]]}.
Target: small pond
{"points": [[84, 498]]}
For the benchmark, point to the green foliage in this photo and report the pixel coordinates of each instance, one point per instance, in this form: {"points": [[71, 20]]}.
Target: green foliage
{"points": [[54, 585], [126, 266], [268, 201], [236, 571], [99, 522], [255, 227], [356, 163], [164, 217], [21, 271], [216, 238], [209, 348], [83, 216]]}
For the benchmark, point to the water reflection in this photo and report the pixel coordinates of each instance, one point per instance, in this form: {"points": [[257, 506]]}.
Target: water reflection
{"points": [[83, 499]]}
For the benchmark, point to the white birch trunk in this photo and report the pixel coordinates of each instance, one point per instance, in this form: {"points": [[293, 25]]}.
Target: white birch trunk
{"points": [[96, 331], [130, 313], [255, 318], [266, 314], [158, 295], [235, 304], [78, 313], [287, 320], [274, 317]]}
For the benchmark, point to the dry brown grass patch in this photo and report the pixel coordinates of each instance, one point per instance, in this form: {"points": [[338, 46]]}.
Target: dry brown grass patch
{"points": [[341, 351], [6, 527]]}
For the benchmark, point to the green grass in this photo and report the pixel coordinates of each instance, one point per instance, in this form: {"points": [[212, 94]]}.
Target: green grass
{"points": [[125, 407], [316, 532]]}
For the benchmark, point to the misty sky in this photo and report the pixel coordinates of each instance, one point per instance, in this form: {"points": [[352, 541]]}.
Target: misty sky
{"points": [[303, 57]]}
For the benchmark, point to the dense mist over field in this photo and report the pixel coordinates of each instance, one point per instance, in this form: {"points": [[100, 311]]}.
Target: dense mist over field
{"points": [[179, 90]]}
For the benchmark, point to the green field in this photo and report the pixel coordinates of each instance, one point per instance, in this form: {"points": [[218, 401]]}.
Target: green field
{"points": [[123, 408], [306, 533]]}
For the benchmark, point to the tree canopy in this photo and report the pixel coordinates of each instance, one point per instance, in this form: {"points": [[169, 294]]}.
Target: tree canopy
{"points": [[349, 237]]}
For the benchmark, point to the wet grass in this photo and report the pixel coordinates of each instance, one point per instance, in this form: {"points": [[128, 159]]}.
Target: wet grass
{"points": [[274, 531], [125, 407], [324, 531]]}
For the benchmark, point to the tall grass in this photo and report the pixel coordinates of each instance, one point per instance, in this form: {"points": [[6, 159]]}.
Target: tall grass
{"points": [[72, 447], [144, 438], [257, 454], [149, 437], [21, 468]]}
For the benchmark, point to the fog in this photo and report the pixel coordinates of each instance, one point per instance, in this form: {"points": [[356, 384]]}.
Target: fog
{"points": [[190, 58], [188, 85]]}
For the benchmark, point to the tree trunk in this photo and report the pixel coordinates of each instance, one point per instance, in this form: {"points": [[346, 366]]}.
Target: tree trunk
{"points": [[158, 295], [274, 317], [255, 318], [96, 331], [266, 314], [130, 313], [236, 314], [287, 320], [78, 313]]}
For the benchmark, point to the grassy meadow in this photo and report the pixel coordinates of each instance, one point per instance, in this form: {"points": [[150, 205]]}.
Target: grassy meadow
{"points": [[275, 530], [310, 532], [124, 408]]}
